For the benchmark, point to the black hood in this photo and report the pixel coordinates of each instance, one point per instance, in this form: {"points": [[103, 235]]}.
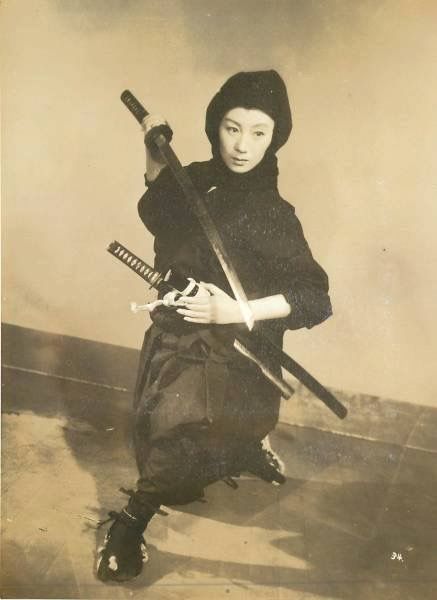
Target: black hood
{"points": [[262, 90]]}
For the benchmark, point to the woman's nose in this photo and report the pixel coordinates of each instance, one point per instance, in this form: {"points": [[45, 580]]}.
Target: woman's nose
{"points": [[241, 144]]}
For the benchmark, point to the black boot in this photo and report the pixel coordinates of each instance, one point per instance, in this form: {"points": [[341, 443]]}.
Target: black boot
{"points": [[124, 550]]}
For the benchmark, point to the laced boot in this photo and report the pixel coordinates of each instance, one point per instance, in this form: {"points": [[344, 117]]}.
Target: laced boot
{"points": [[124, 549]]}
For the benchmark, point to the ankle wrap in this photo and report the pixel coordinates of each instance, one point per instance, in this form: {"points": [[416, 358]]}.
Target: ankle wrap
{"points": [[141, 506]]}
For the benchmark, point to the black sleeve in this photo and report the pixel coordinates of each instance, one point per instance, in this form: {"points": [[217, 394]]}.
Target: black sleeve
{"points": [[162, 208], [295, 273]]}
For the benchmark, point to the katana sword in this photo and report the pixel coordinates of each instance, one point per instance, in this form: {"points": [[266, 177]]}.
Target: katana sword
{"points": [[246, 343], [176, 285], [196, 203]]}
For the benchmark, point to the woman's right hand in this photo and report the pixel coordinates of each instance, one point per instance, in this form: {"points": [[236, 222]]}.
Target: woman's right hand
{"points": [[149, 123]]}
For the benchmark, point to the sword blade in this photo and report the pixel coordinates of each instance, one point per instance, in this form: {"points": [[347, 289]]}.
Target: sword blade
{"points": [[285, 388], [198, 206]]}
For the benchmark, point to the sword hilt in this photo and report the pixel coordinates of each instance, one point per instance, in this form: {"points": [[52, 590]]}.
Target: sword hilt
{"points": [[140, 113], [134, 105], [146, 272]]}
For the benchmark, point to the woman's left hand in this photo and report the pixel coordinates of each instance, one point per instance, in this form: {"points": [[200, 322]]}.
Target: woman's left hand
{"points": [[214, 306]]}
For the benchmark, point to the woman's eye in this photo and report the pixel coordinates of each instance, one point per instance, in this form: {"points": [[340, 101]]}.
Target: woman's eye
{"points": [[232, 129], [259, 133]]}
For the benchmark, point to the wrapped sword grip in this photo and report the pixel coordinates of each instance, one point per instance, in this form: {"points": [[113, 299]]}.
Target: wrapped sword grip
{"points": [[134, 105], [140, 113]]}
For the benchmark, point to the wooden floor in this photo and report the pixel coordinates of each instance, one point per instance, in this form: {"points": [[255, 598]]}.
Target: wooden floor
{"points": [[355, 520]]}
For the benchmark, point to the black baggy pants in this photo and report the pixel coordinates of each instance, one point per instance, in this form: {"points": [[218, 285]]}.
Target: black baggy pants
{"points": [[198, 407]]}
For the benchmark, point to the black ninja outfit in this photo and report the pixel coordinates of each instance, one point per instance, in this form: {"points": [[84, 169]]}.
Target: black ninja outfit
{"points": [[201, 409]]}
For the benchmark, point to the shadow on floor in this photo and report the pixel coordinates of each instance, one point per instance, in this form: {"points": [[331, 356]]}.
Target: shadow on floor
{"points": [[355, 519]]}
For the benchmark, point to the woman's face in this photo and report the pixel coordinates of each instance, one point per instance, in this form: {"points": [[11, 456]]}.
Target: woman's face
{"points": [[244, 134]]}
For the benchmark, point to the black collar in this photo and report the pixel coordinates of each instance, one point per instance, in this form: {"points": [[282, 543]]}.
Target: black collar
{"points": [[214, 173]]}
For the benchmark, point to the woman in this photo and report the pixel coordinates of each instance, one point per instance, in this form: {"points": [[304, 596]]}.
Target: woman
{"points": [[202, 409]]}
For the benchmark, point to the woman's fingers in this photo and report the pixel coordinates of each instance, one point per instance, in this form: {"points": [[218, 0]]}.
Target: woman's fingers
{"points": [[203, 299], [216, 307]]}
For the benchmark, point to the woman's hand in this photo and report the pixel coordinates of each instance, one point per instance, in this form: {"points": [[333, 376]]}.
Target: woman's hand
{"points": [[154, 160], [209, 305], [213, 305]]}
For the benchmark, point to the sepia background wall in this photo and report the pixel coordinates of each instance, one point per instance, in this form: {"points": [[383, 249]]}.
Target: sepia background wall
{"points": [[360, 167]]}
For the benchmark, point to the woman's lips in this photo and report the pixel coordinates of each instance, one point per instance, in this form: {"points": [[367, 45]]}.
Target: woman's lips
{"points": [[239, 161]]}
